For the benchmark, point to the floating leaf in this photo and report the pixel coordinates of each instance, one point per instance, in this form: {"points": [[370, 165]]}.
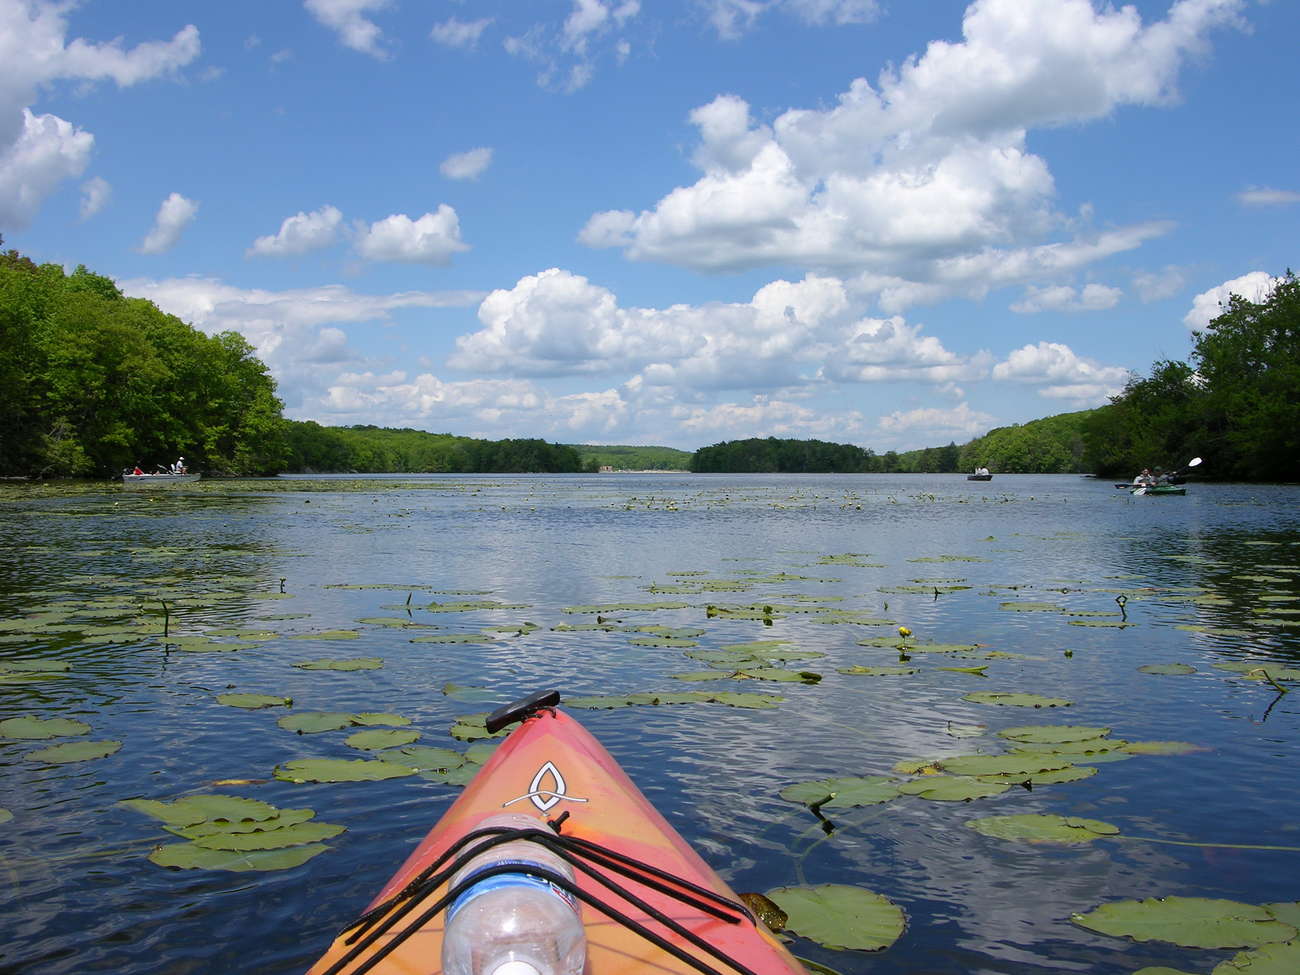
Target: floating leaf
{"points": [[1193, 922], [1169, 669], [311, 722], [651, 640], [766, 910], [1005, 699], [281, 819], [468, 607], [1113, 624], [254, 701], [469, 695], [1162, 748], [739, 700], [274, 839], [350, 663], [1028, 607], [33, 729], [380, 718], [840, 917], [878, 671], [74, 751], [35, 666], [843, 792], [952, 788], [1270, 959], [1053, 733], [188, 856], [455, 638], [780, 674], [5, 815], [1043, 828], [340, 770], [1014, 764], [424, 758], [328, 635], [379, 738]]}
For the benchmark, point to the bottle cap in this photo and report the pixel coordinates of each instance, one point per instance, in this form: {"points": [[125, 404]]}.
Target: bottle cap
{"points": [[516, 967]]}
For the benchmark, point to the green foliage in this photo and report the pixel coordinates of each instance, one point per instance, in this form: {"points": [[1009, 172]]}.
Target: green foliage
{"points": [[1052, 445], [370, 450], [622, 458], [774, 456], [95, 382], [1237, 402]]}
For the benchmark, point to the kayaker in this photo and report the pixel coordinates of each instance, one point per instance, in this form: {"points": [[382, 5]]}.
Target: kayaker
{"points": [[1145, 479], [137, 470]]}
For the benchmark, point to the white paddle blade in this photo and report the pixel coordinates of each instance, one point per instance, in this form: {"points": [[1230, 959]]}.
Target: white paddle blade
{"points": [[1139, 492], [1194, 462]]}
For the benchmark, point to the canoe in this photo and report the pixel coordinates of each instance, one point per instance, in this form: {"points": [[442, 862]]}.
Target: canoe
{"points": [[157, 480], [552, 768]]}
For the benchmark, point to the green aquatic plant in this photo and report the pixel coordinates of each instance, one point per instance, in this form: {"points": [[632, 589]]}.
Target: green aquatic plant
{"points": [[843, 792], [840, 917], [349, 663], [254, 701], [377, 739], [1043, 828], [1193, 922], [952, 788], [74, 751], [1017, 700], [33, 728], [1173, 670], [340, 770]]}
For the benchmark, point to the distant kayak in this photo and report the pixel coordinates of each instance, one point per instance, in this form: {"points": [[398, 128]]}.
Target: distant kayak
{"points": [[979, 477], [157, 480], [628, 861]]}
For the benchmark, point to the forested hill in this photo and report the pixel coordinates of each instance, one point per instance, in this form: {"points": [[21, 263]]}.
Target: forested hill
{"points": [[94, 381], [380, 450]]}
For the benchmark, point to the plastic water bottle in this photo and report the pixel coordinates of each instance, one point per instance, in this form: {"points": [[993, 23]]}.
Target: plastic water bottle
{"points": [[514, 923]]}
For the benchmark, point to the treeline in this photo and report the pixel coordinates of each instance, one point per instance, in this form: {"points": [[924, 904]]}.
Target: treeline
{"points": [[622, 458], [1236, 402], [1053, 445], [92, 381], [313, 448]]}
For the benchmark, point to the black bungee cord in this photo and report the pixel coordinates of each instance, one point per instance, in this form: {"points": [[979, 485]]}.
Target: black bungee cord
{"points": [[375, 923]]}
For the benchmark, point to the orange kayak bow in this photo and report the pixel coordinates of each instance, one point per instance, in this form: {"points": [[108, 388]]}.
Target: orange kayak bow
{"points": [[650, 905]]}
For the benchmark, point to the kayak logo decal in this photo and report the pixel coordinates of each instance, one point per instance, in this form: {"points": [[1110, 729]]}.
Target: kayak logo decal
{"points": [[541, 796]]}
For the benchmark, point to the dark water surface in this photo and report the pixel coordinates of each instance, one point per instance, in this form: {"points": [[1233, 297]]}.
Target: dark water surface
{"points": [[1210, 578]]}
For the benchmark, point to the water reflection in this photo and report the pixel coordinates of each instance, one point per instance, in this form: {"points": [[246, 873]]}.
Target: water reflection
{"points": [[938, 555]]}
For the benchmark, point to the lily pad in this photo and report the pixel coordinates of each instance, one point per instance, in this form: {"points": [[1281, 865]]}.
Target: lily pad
{"points": [[1270, 959], [840, 917], [189, 856], [273, 839], [1161, 748], [1005, 699], [34, 729], [1015, 764], [1193, 922], [1172, 670], [469, 695], [328, 635], [952, 788], [340, 770], [350, 663], [843, 792], [1053, 733], [312, 722], [877, 671], [254, 701], [424, 758], [376, 739], [455, 638], [1043, 828], [74, 751]]}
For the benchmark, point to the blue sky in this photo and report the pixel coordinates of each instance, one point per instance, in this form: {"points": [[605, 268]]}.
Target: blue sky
{"points": [[879, 222]]}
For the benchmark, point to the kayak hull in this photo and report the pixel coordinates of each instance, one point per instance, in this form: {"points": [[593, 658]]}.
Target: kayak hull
{"points": [[549, 766], [1162, 489]]}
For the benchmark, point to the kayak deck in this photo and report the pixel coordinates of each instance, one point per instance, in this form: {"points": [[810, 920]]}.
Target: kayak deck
{"points": [[547, 767]]}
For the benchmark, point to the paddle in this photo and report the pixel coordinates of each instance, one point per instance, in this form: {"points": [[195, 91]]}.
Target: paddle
{"points": [[1194, 462]]}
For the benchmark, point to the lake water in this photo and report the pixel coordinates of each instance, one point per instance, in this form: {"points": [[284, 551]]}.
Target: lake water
{"points": [[1210, 578]]}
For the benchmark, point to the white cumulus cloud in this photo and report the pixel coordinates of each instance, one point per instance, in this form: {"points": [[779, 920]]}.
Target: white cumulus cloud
{"points": [[430, 239], [1061, 297], [1264, 196], [459, 33], [39, 151], [927, 169], [1061, 373], [174, 215], [936, 423], [466, 165], [300, 234], [350, 19], [1210, 304], [94, 196]]}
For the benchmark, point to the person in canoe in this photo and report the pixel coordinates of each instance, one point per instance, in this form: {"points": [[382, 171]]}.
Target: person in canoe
{"points": [[1145, 479], [179, 467], [137, 470]]}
